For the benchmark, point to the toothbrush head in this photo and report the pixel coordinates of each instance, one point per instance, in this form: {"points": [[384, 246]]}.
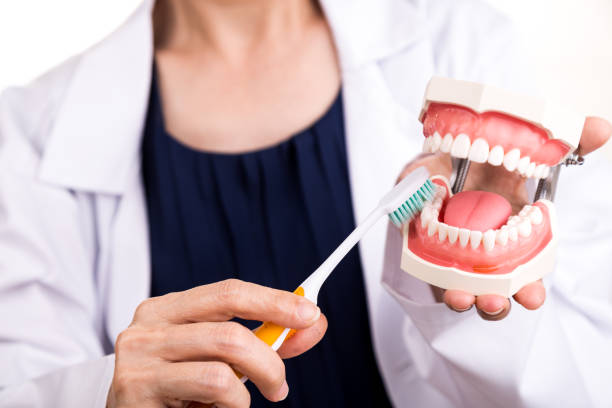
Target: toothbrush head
{"points": [[410, 207]]}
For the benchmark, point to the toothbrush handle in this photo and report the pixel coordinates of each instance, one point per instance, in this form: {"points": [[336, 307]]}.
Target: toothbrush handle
{"points": [[272, 334], [315, 281]]}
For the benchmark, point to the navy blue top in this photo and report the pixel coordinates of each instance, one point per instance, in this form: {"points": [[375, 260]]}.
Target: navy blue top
{"points": [[269, 216]]}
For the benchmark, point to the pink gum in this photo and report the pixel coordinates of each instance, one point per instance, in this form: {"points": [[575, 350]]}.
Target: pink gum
{"points": [[497, 129], [502, 259]]}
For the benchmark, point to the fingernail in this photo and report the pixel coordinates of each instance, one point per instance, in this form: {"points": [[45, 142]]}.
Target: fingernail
{"points": [[495, 313], [308, 311], [461, 310], [283, 391]]}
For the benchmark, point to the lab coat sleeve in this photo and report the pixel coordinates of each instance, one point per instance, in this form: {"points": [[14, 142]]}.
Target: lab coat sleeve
{"points": [[558, 355], [50, 317], [81, 385]]}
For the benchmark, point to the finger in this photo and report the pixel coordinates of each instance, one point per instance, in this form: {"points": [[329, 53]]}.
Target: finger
{"points": [[204, 382], [492, 307], [531, 296], [595, 133], [458, 300], [303, 340], [229, 342], [231, 298]]}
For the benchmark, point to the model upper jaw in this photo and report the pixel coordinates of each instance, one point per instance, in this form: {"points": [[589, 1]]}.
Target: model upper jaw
{"points": [[542, 132], [481, 232]]}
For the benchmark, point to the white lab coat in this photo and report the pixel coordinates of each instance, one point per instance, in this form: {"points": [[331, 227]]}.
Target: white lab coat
{"points": [[74, 255]]}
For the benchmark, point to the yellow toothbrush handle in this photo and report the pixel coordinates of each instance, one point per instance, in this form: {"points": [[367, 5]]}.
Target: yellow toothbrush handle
{"points": [[269, 332]]}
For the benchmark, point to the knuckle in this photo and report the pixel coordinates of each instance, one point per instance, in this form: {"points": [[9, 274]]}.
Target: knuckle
{"points": [[145, 309], [220, 378], [136, 339], [229, 287], [230, 291], [123, 381], [233, 340], [123, 340], [129, 382]]}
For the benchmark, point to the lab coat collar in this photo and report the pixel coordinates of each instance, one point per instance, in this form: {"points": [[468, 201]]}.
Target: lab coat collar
{"points": [[94, 143], [367, 30]]}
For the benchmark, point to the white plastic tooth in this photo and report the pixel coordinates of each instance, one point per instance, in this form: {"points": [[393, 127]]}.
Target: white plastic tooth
{"points": [[475, 238], [436, 141], [432, 227], [513, 233], [453, 233], [442, 231], [524, 227], [464, 237], [539, 171], [437, 203], [427, 145], [530, 169], [447, 143], [513, 221], [488, 240], [479, 152], [511, 159], [545, 172], [436, 216], [496, 156], [525, 211], [535, 215], [501, 236], [461, 146], [523, 165], [426, 216]]}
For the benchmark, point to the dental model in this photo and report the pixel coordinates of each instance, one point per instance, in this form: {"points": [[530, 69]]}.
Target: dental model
{"points": [[474, 240]]}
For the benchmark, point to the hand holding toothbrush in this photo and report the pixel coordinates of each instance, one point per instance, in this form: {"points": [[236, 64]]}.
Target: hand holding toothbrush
{"points": [[182, 346]]}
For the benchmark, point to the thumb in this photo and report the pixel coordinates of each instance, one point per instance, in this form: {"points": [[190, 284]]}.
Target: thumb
{"points": [[596, 132], [303, 340]]}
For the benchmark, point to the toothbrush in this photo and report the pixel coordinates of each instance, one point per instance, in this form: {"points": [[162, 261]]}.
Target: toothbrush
{"points": [[402, 203]]}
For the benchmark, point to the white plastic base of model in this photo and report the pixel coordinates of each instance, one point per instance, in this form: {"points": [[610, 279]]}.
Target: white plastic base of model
{"points": [[557, 121], [477, 283]]}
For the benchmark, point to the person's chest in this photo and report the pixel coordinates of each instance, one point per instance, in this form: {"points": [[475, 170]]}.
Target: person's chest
{"points": [[215, 104]]}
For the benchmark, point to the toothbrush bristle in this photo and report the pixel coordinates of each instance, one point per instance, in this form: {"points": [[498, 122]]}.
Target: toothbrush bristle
{"points": [[414, 204]]}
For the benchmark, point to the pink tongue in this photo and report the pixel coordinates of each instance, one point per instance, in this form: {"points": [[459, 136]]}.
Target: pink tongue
{"points": [[477, 210]]}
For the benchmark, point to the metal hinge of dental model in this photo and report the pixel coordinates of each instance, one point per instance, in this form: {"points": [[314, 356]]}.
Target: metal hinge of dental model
{"points": [[547, 187], [460, 170]]}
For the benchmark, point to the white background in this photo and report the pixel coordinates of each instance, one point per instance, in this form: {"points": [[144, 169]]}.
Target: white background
{"points": [[568, 43]]}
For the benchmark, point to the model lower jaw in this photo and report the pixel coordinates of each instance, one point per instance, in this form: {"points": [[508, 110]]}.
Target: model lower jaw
{"points": [[495, 251]]}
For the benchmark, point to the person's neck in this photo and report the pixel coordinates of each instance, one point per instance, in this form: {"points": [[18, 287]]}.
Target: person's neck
{"points": [[235, 29]]}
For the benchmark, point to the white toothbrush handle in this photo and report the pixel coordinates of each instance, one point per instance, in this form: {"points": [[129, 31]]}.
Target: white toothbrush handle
{"points": [[273, 334], [315, 281]]}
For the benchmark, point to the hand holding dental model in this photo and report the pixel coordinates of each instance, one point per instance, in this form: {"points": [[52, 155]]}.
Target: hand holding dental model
{"points": [[483, 238]]}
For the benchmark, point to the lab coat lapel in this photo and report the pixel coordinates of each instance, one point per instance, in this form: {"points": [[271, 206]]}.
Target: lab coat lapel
{"points": [[95, 139], [94, 147]]}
